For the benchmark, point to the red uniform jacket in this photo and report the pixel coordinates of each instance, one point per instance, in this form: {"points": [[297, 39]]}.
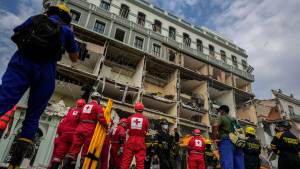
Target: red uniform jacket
{"points": [[91, 113], [196, 145], [118, 135], [137, 125], [69, 123]]}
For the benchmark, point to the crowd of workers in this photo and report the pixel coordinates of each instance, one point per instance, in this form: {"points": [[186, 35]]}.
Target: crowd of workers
{"points": [[46, 34]]}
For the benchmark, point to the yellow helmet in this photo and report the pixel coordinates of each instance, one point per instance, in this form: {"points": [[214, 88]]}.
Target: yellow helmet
{"points": [[207, 141], [63, 7], [250, 130]]}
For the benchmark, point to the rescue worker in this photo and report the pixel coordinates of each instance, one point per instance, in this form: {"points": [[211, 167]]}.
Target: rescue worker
{"points": [[6, 121], [65, 131], [230, 156], [118, 137], [135, 145], [164, 143], [175, 150], [30, 68], [90, 115], [287, 146], [252, 150], [196, 150], [210, 158], [152, 160]]}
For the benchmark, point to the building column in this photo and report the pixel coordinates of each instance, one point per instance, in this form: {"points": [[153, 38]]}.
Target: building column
{"points": [[45, 149]]}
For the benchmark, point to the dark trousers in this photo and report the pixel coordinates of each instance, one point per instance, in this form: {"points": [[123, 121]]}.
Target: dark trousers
{"points": [[288, 161], [21, 74]]}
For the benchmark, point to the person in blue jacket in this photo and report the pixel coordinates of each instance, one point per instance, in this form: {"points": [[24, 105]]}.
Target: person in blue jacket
{"points": [[24, 72]]}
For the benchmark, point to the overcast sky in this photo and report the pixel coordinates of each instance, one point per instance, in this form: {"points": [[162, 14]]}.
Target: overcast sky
{"points": [[267, 29]]}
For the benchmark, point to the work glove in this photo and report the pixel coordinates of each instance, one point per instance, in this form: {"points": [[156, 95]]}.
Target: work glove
{"points": [[120, 151]]}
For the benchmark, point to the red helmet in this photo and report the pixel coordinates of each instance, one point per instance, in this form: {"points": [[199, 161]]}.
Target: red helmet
{"points": [[139, 107], [197, 132], [123, 120], [80, 103]]}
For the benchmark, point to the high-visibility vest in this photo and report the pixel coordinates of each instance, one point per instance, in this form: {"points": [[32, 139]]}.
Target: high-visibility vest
{"points": [[6, 118]]}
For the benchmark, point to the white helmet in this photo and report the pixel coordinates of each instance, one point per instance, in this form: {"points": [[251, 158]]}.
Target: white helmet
{"points": [[95, 94]]}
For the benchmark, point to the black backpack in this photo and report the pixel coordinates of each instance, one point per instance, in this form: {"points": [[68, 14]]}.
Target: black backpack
{"points": [[39, 41]]}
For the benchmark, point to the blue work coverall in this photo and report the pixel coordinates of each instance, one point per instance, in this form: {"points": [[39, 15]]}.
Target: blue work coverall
{"points": [[23, 73], [230, 156]]}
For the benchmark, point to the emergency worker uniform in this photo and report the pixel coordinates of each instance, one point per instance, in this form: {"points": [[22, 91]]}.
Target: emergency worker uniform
{"points": [[196, 150], [251, 153], [210, 159], [135, 145], [91, 114], [23, 73], [164, 150], [65, 131], [118, 138], [287, 146]]}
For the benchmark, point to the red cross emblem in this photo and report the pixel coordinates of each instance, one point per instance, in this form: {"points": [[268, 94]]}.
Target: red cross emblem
{"points": [[136, 121]]}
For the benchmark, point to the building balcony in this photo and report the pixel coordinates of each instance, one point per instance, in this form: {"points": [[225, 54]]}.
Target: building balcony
{"points": [[115, 20]]}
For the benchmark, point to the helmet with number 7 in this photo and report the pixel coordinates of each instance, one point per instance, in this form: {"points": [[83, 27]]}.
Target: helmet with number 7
{"points": [[197, 132]]}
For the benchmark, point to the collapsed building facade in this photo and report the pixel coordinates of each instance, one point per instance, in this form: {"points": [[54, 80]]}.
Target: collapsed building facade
{"points": [[270, 112], [134, 51]]}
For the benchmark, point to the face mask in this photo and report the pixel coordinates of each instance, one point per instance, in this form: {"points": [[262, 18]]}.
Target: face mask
{"points": [[165, 126]]}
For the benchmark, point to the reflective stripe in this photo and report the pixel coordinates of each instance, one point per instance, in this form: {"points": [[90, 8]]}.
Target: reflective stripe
{"points": [[25, 140], [89, 121]]}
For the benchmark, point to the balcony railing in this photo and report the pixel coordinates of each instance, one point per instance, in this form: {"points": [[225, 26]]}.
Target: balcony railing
{"points": [[163, 39]]}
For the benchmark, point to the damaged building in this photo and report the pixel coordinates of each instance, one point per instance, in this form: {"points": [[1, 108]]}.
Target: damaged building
{"points": [[134, 51], [268, 113]]}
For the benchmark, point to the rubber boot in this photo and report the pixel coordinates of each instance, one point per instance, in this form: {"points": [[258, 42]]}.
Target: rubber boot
{"points": [[21, 148]]}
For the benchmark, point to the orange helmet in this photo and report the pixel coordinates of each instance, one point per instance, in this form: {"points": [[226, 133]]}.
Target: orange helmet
{"points": [[197, 132], [139, 107], [80, 103]]}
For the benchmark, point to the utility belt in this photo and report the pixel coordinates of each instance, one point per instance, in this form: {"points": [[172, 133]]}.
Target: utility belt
{"points": [[196, 152], [89, 121]]}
